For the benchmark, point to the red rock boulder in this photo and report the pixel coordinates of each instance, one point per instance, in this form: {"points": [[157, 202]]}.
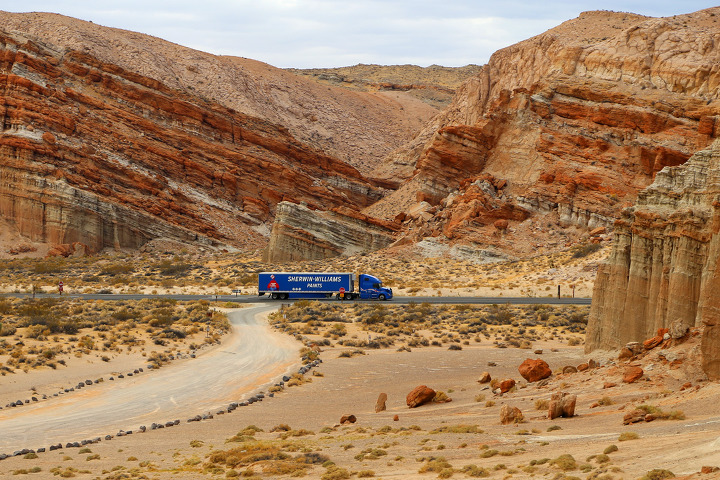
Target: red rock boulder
{"points": [[506, 385], [347, 419], [562, 405], [534, 370], [420, 396], [632, 374]]}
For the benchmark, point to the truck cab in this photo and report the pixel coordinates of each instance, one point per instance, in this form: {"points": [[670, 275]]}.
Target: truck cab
{"points": [[370, 287]]}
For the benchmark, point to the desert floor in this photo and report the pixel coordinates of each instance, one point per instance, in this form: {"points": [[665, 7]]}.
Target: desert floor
{"points": [[462, 438]]}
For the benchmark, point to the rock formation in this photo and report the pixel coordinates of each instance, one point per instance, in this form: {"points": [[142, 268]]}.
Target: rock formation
{"points": [[420, 395], [510, 415], [573, 122], [359, 128], [534, 370], [95, 153], [300, 233], [663, 269], [562, 404]]}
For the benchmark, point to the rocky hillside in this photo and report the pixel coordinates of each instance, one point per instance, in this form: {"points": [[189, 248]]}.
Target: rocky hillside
{"points": [[663, 272], [112, 138], [572, 123], [434, 85]]}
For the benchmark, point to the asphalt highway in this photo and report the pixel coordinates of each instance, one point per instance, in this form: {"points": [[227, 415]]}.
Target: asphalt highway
{"points": [[267, 300], [251, 355]]}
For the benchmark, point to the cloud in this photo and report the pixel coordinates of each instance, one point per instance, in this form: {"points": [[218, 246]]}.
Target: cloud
{"points": [[314, 33]]}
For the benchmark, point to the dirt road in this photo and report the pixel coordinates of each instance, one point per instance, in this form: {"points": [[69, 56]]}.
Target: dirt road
{"points": [[251, 357]]}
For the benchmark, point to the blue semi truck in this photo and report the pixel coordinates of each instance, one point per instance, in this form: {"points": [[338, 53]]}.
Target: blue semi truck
{"points": [[284, 285]]}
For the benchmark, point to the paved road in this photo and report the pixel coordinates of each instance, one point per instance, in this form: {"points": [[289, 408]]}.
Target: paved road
{"points": [[252, 356], [265, 299]]}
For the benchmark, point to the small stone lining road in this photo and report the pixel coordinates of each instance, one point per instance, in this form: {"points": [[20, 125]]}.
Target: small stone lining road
{"points": [[265, 299]]}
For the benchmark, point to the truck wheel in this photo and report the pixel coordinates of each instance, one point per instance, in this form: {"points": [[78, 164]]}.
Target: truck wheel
{"points": [[285, 296], [274, 296], [381, 296]]}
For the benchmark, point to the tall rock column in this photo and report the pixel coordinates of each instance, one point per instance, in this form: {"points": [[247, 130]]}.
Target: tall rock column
{"points": [[663, 269]]}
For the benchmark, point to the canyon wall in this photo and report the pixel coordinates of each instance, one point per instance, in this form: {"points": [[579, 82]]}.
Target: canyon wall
{"points": [[94, 153], [357, 127], [300, 233], [663, 269], [576, 120]]}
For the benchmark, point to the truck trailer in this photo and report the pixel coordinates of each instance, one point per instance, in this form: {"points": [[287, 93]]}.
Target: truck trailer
{"points": [[285, 285]]}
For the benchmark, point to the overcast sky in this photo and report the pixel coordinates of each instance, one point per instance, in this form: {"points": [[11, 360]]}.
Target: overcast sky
{"points": [[329, 33]]}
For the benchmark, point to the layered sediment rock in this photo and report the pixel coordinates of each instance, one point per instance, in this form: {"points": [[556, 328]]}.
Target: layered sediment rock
{"points": [[663, 270], [300, 233], [578, 119], [93, 153]]}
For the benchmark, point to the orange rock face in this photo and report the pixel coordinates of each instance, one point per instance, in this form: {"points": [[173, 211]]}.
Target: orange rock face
{"points": [[574, 125], [96, 154]]}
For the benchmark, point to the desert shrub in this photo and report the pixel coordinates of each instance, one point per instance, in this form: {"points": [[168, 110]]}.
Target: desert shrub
{"points": [[658, 474], [610, 449], [542, 404], [370, 454], [458, 429], [586, 249], [5, 307], [565, 462], [625, 436], [475, 471], [117, 269], [335, 473], [7, 330], [662, 415], [436, 465]]}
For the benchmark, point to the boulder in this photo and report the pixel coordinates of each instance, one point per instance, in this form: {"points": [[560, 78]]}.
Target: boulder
{"points": [[635, 416], [380, 404], [625, 354], [562, 404], [632, 374], [396, 418], [534, 370], [653, 342], [501, 224], [485, 378], [569, 369], [419, 396], [510, 415], [506, 385], [347, 419]]}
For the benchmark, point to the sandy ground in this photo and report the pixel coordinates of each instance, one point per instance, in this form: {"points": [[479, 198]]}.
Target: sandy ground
{"points": [[351, 386]]}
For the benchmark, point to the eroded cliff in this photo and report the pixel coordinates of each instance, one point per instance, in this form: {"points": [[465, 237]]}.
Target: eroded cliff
{"points": [[300, 233], [663, 269], [576, 121], [95, 153]]}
